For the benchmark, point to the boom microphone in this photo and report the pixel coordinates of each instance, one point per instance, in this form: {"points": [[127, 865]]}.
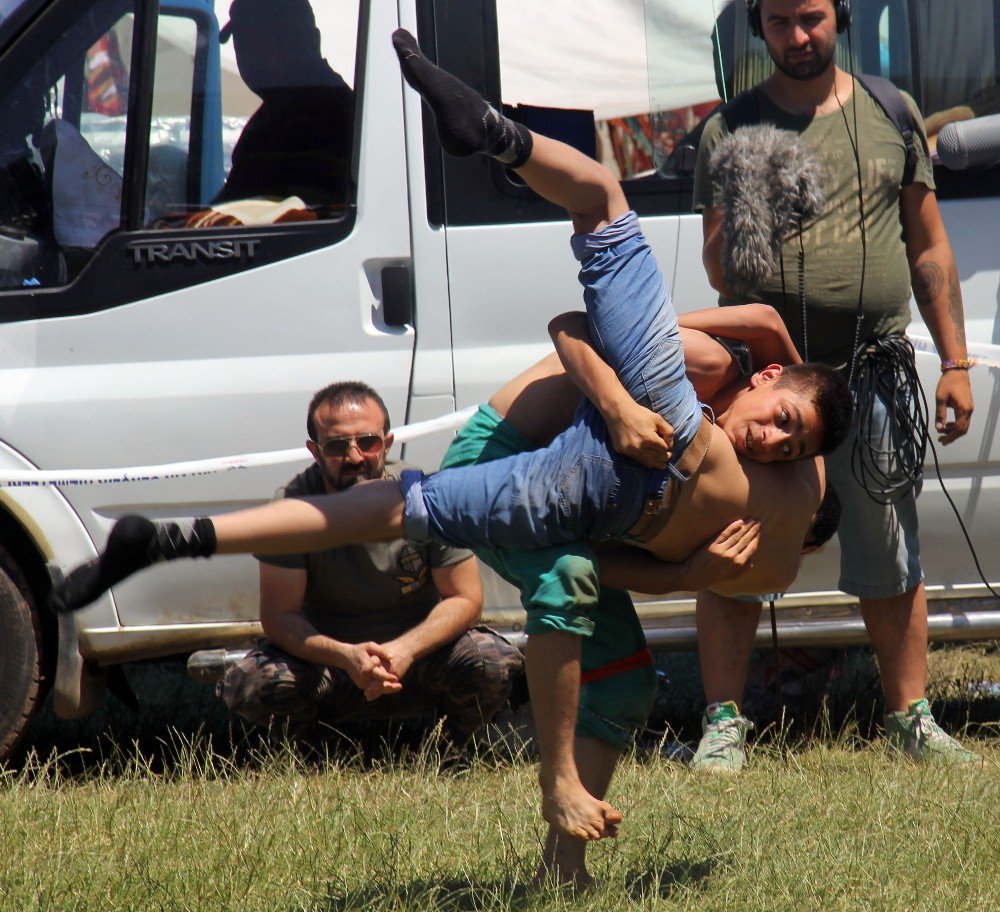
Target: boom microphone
{"points": [[970, 143], [771, 186]]}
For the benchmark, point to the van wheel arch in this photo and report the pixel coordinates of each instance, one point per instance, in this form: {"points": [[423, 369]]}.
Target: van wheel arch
{"points": [[22, 654]]}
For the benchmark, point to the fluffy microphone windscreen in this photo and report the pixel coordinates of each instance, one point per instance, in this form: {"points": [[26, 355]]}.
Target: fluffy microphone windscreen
{"points": [[771, 185], [970, 144]]}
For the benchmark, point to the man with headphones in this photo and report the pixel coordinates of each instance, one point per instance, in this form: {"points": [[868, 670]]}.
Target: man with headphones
{"points": [[878, 232]]}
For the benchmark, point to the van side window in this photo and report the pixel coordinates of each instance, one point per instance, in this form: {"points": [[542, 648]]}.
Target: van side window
{"points": [[297, 141], [247, 119], [280, 87], [287, 107], [62, 123], [622, 87], [953, 81], [945, 55]]}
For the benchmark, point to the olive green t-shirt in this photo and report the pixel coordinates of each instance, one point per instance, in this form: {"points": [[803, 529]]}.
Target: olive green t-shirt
{"points": [[365, 592], [833, 242]]}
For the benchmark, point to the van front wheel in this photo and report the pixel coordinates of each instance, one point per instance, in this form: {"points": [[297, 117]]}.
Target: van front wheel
{"points": [[20, 655]]}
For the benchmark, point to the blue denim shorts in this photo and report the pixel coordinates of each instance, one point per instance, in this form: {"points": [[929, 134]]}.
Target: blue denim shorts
{"points": [[578, 487], [575, 489]]}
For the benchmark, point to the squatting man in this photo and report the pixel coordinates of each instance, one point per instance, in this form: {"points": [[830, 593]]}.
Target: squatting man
{"points": [[395, 620]]}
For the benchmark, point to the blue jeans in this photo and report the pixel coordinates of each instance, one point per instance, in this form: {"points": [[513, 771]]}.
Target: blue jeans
{"points": [[578, 487]]}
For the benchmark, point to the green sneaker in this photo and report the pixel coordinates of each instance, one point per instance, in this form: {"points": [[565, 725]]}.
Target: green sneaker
{"points": [[916, 734], [723, 745]]}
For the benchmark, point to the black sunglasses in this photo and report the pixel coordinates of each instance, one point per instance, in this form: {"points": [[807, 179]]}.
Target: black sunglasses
{"points": [[367, 444]]}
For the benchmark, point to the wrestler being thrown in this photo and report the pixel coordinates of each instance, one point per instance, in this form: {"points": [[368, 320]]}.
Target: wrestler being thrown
{"points": [[575, 489]]}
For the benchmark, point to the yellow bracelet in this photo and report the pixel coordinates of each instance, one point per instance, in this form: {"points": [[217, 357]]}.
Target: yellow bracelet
{"points": [[957, 364]]}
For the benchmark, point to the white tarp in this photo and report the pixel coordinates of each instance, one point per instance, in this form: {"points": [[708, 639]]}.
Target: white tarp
{"points": [[337, 21], [589, 54], [615, 57]]}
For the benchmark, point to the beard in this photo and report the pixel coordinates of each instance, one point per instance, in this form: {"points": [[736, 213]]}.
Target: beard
{"points": [[349, 477], [807, 67]]}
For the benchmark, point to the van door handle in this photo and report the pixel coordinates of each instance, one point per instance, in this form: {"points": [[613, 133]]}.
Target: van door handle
{"points": [[397, 296]]}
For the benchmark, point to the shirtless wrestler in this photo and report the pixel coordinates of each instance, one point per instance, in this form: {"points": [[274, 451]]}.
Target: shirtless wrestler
{"points": [[576, 488]]}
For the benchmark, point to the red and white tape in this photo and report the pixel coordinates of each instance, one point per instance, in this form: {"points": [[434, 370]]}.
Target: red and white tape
{"points": [[14, 478], [986, 355]]}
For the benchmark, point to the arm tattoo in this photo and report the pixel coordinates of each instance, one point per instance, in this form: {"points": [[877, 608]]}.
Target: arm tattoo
{"points": [[928, 283], [955, 310]]}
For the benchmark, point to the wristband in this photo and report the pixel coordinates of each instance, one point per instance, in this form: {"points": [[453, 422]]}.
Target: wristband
{"points": [[957, 364]]}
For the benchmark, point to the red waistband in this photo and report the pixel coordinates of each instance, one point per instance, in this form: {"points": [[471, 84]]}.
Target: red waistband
{"points": [[638, 659]]}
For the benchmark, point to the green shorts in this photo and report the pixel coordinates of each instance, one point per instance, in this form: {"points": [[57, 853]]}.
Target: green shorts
{"points": [[560, 592]]}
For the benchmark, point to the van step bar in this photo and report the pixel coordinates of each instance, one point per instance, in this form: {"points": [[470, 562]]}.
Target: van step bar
{"points": [[208, 665]]}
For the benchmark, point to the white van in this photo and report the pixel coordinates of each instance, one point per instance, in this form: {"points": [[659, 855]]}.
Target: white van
{"points": [[147, 318]]}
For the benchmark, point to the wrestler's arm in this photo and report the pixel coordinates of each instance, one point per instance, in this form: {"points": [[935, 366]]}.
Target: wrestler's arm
{"points": [[636, 431], [794, 495], [724, 558], [759, 325], [539, 402], [777, 576]]}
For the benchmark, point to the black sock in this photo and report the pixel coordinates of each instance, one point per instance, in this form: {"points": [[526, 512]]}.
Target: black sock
{"points": [[466, 122], [134, 544], [174, 540]]}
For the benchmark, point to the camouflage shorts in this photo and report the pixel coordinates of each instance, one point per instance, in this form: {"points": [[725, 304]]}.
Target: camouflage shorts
{"points": [[468, 682]]}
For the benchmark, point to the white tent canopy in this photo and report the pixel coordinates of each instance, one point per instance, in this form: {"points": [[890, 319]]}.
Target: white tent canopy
{"points": [[615, 57]]}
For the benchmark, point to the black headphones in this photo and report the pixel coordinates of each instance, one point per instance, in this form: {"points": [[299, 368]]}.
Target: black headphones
{"points": [[842, 7]]}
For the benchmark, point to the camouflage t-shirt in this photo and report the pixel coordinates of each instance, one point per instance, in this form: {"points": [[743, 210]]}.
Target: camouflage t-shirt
{"points": [[832, 242], [365, 592]]}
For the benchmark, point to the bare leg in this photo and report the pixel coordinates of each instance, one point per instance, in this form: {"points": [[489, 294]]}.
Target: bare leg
{"points": [[539, 401], [368, 512], [564, 857], [584, 187], [467, 124], [898, 630], [726, 630], [553, 668]]}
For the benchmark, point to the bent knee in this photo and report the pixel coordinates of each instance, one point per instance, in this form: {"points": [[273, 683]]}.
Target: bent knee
{"points": [[564, 598], [486, 665], [260, 688]]}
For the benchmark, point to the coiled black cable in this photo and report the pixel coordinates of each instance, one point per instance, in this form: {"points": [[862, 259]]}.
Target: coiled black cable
{"points": [[887, 459], [888, 366], [958, 516]]}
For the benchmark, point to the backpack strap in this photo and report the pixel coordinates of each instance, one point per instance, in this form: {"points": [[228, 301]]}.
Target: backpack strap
{"points": [[891, 101], [743, 110], [740, 352]]}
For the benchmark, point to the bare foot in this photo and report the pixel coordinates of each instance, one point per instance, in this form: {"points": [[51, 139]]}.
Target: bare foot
{"points": [[563, 863], [557, 875], [573, 811]]}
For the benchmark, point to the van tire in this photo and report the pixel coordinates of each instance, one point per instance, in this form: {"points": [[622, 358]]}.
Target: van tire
{"points": [[20, 655]]}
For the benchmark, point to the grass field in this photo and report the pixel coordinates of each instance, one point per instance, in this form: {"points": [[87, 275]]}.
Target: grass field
{"points": [[825, 821]]}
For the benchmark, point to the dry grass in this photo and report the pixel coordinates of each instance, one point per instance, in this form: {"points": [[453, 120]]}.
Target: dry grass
{"points": [[199, 823]]}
